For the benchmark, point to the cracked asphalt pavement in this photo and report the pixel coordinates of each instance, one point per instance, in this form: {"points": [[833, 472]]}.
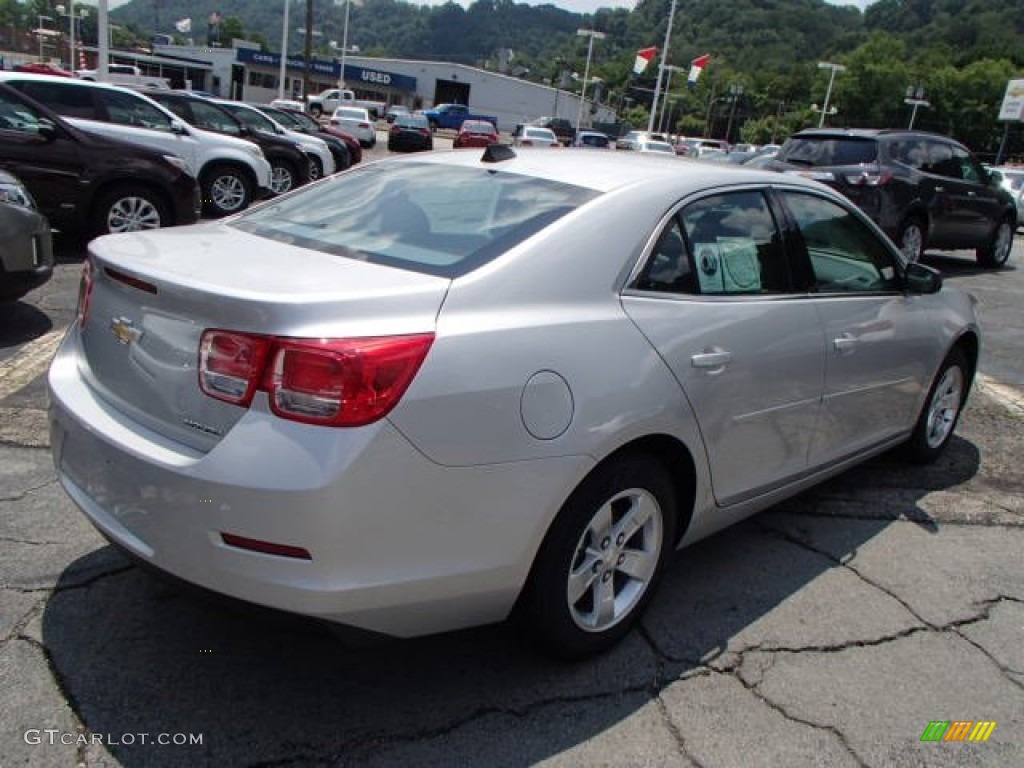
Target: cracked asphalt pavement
{"points": [[827, 631]]}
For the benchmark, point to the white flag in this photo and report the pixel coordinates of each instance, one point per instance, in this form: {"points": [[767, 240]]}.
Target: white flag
{"points": [[184, 26]]}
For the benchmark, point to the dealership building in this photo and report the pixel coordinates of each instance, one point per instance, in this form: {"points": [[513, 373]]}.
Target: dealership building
{"points": [[247, 74]]}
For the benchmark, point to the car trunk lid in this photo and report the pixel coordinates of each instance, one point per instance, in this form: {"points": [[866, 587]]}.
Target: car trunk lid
{"points": [[154, 294]]}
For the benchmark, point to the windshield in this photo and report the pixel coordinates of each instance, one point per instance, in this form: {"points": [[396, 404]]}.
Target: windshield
{"points": [[438, 219], [829, 150]]}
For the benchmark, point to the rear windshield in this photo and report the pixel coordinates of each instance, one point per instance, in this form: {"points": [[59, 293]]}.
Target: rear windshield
{"points": [[438, 219], [829, 150]]}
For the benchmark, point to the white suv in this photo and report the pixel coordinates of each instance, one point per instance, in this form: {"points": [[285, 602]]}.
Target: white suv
{"points": [[231, 172]]}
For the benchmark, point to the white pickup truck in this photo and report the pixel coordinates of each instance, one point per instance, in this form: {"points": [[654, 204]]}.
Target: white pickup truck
{"points": [[327, 101], [125, 74]]}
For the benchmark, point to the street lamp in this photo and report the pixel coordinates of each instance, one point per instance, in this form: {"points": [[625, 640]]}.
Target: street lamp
{"points": [[72, 23], [915, 97], [586, 70], [735, 91], [828, 92], [344, 42], [670, 68]]}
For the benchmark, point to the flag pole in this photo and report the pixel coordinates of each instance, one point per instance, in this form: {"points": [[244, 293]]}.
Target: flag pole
{"points": [[284, 53], [661, 67]]}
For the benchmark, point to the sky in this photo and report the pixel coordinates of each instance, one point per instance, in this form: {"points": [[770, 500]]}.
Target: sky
{"points": [[578, 6]]}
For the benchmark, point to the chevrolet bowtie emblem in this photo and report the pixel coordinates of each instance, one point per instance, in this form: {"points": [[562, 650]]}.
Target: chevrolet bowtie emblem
{"points": [[124, 330]]}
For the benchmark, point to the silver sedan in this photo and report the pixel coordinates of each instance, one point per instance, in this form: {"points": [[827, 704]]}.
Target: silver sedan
{"points": [[447, 389]]}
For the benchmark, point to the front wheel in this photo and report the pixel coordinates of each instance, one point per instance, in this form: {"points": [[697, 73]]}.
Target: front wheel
{"points": [[912, 239], [602, 558], [282, 177], [938, 419], [128, 208], [996, 252], [226, 189]]}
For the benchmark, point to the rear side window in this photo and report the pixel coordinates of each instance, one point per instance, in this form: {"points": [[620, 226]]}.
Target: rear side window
{"points": [[441, 220], [722, 245], [128, 109], [829, 150], [65, 100]]}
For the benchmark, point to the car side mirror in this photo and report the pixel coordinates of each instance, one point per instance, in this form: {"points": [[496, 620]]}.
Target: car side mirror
{"points": [[178, 127], [922, 279], [995, 178]]}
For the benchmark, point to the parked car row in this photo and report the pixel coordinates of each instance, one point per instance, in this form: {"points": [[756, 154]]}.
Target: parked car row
{"points": [[91, 159]]}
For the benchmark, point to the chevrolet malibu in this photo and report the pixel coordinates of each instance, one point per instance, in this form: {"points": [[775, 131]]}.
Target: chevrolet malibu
{"points": [[448, 389]]}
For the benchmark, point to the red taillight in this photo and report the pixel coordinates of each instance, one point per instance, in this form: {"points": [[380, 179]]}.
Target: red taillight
{"points": [[230, 365], [364, 125], [331, 382], [84, 294], [526, 143], [395, 129]]}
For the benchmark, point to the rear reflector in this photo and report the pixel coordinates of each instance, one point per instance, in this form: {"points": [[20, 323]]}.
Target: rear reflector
{"points": [[265, 547], [329, 382]]}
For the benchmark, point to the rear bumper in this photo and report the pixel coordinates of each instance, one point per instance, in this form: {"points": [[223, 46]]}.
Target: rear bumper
{"points": [[398, 544]]}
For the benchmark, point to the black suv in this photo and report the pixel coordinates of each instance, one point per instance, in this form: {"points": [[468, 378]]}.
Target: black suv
{"points": [[562, 128], [289, 167], [923, 189], [91, 184]]}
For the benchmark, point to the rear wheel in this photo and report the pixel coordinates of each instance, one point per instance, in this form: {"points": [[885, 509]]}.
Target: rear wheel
{"points": [[997, 251], [602, 558], [942, 410], [912, 238], [316, 170], [226, 190], [128, 208]]}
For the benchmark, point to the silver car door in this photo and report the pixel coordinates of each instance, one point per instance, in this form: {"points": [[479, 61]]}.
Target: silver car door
{"points": [[713, 298], [875, 371]]}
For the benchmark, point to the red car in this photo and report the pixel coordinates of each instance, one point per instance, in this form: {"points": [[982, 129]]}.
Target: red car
{"points": [[476, 133], [42, 68], [314, 126]]}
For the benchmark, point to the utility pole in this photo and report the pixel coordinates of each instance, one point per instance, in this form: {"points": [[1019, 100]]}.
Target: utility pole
{"points": [[306, 73]]}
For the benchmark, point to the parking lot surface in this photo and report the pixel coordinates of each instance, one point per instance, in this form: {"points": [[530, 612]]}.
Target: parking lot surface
{"points": [[831, 630]]}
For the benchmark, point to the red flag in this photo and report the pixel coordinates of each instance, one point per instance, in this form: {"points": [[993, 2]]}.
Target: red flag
{"points": [[643, 58], [696, 67]]}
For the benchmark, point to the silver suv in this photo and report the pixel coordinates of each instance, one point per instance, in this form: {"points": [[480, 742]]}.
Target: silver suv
{"points": [[231, 172]]}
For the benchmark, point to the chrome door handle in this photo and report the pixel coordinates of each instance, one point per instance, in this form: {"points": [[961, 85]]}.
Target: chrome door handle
{"points": [[717, 359], [845, 344], [940, 189]]}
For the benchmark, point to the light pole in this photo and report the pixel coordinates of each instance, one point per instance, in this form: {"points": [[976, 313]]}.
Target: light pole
{"points": [[828, 92], [72, 22], [915, 97], [586, 70], [661, 68], [735, 91], [344, 42]]}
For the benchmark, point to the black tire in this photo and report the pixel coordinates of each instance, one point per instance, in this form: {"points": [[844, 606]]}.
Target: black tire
{"points": [[941, 412], [912, 238], [316, 111], [632, 488], [226, 189], [128, 208], [996, 252], [316, 171], [433, 126], [283, 176]]}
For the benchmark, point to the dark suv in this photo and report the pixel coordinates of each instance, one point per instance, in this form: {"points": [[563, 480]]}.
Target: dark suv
{"points": [[87, 183], [563, 128], [924, 190]]}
